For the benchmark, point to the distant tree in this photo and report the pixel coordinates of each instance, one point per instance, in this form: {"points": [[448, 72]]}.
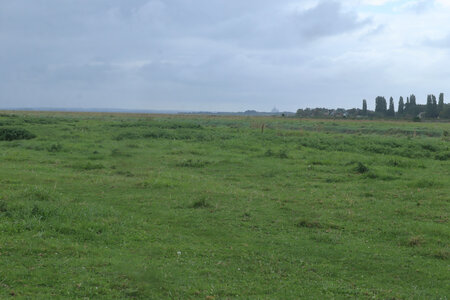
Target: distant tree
{"points": [[401, 106], [429, 107], [445, 113], [391, 110], [434, 104], [364, 107], [411, 106], [380, 105], [441, 103], [412, 100]]}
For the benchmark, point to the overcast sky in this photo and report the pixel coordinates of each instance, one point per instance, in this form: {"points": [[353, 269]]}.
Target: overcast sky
{"points": [[221, 55]]}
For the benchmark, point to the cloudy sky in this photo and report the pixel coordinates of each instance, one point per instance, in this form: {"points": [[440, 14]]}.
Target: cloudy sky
{"points": [[221, 55]]}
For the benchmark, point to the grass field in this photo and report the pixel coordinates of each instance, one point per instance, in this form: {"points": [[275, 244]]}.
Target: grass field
{"points": [[197, 207]]}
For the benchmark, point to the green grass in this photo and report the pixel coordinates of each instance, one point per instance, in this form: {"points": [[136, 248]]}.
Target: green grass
{"points": [[192, 207]]}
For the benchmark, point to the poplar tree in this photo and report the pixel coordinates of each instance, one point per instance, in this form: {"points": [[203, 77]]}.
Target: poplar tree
{"points": [[391, 111], [380, 105], [401, 106], [435, 112], [429, 107], [441, 103]]}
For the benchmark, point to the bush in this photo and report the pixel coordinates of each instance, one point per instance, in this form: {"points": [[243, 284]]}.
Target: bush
{"points": [[442, 156], [11, 134]]}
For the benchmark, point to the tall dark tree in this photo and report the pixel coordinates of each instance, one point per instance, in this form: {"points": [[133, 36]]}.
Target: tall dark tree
{"points": [[429, 107], [391, 110], [364, 107], [401, 106], [380, 105], [441, 103], [410, 107], [434, 104], [412, 100]]}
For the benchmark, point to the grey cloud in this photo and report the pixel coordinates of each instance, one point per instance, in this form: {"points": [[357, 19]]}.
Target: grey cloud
{"points": [[183, 54], [326, 19]]}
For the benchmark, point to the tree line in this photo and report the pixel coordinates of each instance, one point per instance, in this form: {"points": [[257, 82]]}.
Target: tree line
{"points": [[433, 109]]}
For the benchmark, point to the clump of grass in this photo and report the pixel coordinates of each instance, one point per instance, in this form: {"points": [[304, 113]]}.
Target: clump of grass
{"points": [[133, 146], [125, 173], [380, 176], [283, 154], [191, 163], [315, 224], [38, 193], [55, 147], [119, 153], [39, 212], [280, 154], [441, 254], [269, 152], [202, 203], [426, 183], [308, 224], [88, 166], [127, 136], [156, 184], [415, 241], [3, 206], [361, 168], [394, 163], [11, 134]]}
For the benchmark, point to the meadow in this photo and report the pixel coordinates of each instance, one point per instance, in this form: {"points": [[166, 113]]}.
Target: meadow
{"points": [[119, 206]]}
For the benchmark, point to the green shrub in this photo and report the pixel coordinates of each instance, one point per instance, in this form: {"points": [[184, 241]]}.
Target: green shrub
{"points": [[11, 134], [442, 156]]}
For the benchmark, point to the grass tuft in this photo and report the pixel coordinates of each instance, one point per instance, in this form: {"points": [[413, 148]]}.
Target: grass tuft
{"points": [[202, 203], [361, 168]]}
